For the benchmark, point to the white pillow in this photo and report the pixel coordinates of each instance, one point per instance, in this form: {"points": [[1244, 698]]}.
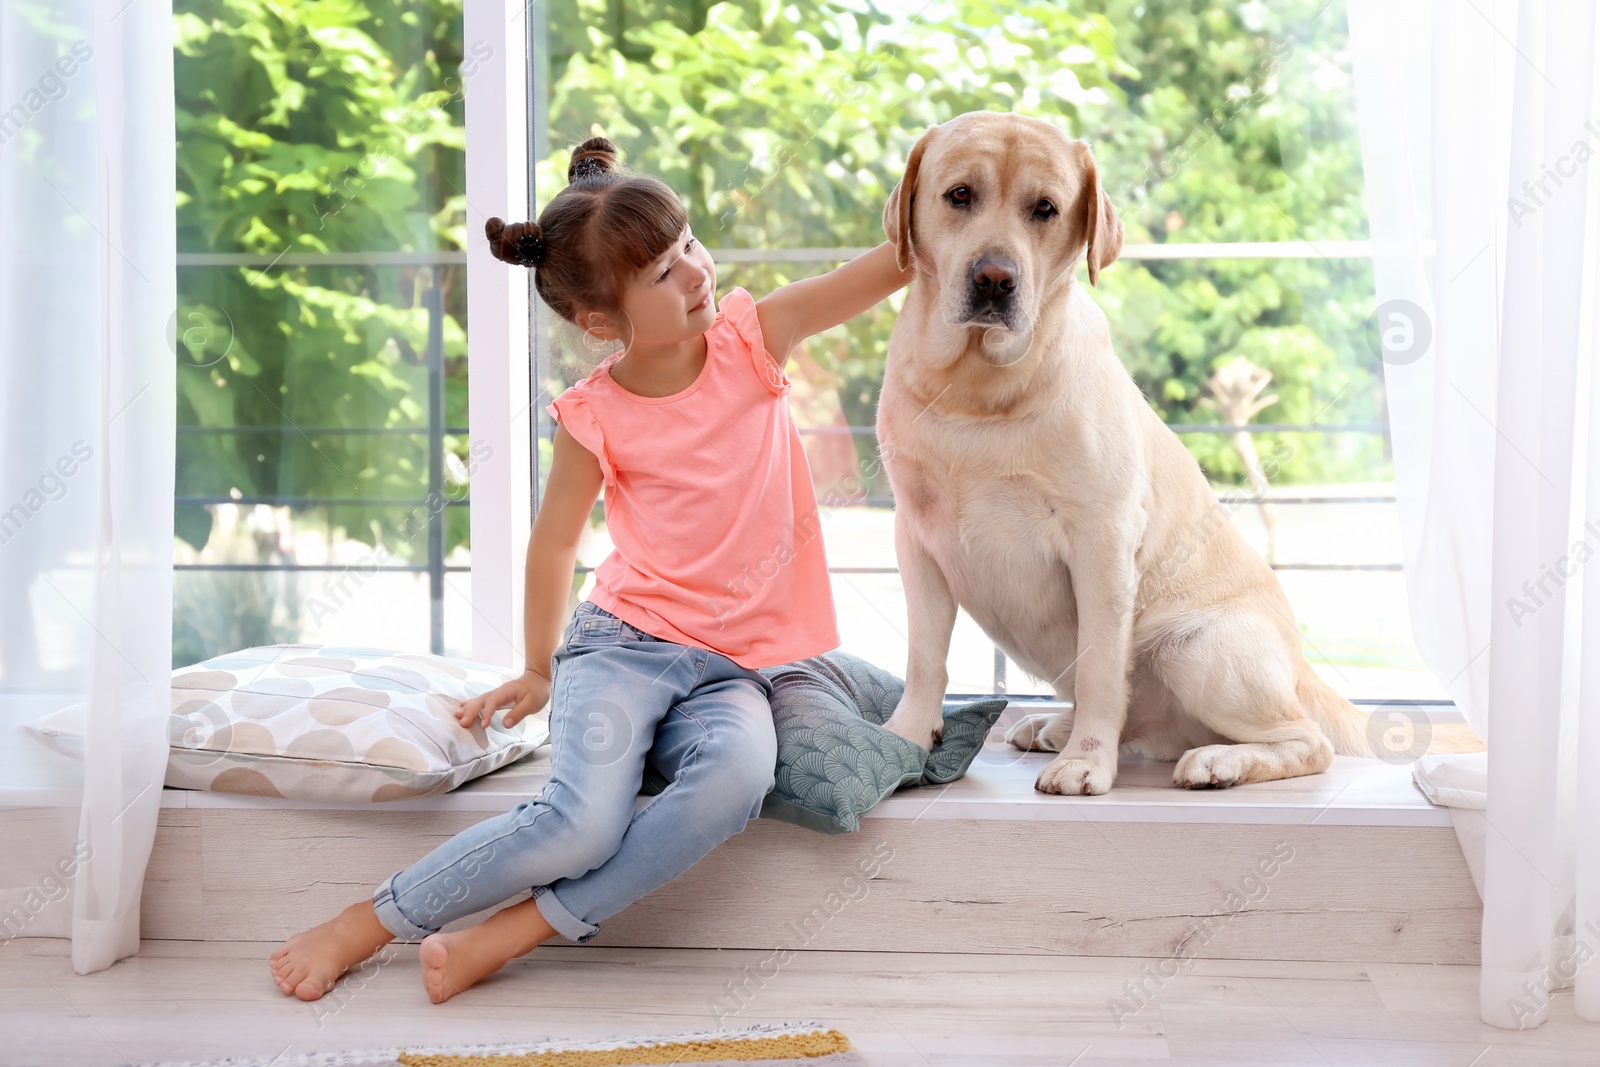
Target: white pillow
{"points": [[314, 722]]}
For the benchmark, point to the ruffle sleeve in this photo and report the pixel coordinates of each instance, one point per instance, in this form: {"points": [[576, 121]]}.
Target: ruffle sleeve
{"points": [[739, 308], [570, 410]]}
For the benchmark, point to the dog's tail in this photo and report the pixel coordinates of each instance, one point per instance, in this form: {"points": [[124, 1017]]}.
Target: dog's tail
{"points": [[1354, 733]]}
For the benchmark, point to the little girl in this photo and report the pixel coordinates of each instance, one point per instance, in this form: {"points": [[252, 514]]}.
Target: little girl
{"points": [[718, 571]]}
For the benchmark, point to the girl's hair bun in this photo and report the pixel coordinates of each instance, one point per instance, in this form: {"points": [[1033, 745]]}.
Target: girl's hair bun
{"points": [[593, 157], [519, 243]]}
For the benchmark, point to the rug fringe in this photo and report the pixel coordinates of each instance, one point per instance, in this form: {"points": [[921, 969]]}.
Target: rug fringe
{"points": [[704, 1049], [368, 1057]]}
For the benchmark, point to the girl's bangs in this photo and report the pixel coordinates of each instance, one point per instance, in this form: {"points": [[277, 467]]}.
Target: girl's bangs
{"points": [[647, 220]]}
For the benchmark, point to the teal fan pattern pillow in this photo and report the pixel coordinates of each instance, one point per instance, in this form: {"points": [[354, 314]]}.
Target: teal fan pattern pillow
{"points": [[835, 759]]}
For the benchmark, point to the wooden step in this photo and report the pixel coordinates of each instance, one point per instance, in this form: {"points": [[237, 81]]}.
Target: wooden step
{"points": [[1362, 868], [1350, 865]]}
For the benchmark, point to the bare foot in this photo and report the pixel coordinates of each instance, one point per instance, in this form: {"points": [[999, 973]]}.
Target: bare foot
{"points": [[310, 962], [456, 961]]}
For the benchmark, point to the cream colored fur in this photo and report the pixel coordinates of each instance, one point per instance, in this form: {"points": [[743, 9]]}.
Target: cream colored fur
{"points": [[1035, 487]]}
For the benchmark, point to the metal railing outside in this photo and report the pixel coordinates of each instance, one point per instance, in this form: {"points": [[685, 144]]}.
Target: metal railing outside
{"points": [[1327, 250], [436, 431]]}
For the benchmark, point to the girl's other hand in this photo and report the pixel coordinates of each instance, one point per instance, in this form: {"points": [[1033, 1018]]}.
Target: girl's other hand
{"points": [[524, 696]]}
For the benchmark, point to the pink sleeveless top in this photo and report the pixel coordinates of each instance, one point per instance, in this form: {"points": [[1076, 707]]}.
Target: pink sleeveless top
{"points": [[709, 503]]}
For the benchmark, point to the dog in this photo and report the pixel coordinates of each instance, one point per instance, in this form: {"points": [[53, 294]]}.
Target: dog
{"points": [[1036, 488]]}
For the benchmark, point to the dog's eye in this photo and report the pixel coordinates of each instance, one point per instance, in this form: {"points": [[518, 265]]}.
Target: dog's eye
{"points": [[960, 196], [1044, 209]]}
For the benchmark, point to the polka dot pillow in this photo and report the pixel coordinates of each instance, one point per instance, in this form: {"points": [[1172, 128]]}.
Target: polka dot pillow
{"points": [[331, 723]]}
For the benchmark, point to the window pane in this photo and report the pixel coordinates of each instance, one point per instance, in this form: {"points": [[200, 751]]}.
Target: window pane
{"points": [[321, 328], [1213, 126]]}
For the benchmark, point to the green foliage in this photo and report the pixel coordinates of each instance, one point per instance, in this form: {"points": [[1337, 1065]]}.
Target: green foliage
{"points": [[318, 126], [336, 125], [787, 126], [328, 126]]}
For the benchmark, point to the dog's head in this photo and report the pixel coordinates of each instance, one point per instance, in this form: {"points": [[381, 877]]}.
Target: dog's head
{"points": [[997, 208]]}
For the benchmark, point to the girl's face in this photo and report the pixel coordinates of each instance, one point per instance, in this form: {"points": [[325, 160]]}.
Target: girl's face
{"points": [[672, 299]]}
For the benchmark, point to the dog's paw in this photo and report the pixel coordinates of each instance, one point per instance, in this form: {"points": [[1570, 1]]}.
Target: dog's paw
{"points": [[1056, 733], [1041, 733], [1024, 733], [1076, 777], [1211, 767]]}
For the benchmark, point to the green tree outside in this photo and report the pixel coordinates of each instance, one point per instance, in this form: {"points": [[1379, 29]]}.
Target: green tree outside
{"points": [[310, 126]]}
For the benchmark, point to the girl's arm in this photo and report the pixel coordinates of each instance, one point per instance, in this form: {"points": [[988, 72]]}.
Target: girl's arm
{"points": [[800, 309], [569, 496]]}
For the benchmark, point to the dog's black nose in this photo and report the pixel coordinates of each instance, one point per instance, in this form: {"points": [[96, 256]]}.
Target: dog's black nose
{"points": [[994, 276]]}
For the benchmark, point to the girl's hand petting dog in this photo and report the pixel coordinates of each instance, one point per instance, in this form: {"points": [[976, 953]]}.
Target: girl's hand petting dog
{"points": [[524, 695]]}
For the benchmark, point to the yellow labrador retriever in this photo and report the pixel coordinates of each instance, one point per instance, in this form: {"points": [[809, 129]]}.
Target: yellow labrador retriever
{"points": [[1036, 488]]}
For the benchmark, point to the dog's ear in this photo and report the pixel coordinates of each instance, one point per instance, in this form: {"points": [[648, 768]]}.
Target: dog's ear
{"points": [[897, 209], [1101, 226]]}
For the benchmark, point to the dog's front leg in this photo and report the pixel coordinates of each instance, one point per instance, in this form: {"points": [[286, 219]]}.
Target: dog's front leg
{"points": [[931, 613], [1104, 586]]}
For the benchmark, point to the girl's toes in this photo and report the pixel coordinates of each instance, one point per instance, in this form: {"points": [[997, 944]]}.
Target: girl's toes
{"points": [[288, 976], [311, 990]]}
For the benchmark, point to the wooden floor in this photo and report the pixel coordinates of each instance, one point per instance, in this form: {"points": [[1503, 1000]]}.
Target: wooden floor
{"points": [[198, 1000]]}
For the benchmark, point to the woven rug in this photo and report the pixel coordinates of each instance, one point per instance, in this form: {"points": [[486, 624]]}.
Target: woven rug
{"points": [[777, 1045]]}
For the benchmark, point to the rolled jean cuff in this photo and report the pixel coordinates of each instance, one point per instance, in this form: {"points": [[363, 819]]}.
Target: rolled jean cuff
{"points": [[560, 919], [390, 916]]}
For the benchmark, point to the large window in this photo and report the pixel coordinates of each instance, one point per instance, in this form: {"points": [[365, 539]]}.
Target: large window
{"points": [[322, 449], [1242, 305], [323, 456]]}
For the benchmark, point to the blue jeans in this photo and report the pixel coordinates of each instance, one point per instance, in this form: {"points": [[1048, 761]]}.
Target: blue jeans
{"points": [[618, 698]]}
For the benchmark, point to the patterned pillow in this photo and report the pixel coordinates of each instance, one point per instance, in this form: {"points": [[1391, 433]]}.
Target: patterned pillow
{"points": [[835, 759], [966, 726], [330, 723]]}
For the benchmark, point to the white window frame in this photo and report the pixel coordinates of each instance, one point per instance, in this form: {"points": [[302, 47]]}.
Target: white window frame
{"points": [[500, 392], [506, 137]]}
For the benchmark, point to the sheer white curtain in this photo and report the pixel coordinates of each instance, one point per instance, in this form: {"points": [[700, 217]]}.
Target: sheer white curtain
{"points": [[87, 289], [1478, 127]]}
